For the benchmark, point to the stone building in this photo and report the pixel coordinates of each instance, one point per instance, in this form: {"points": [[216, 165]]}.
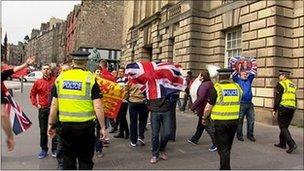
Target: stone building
{"points": [[196, 33], [16, 53], [96, 24], [48, 43], [71, 22]]}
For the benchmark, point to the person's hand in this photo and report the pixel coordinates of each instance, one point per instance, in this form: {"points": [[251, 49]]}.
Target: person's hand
{"points": [[30, 60], [103, 133], [51, 131], [38, 106], [274, 114], [10, 143]]}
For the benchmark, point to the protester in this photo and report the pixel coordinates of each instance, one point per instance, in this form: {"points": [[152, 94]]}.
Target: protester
{"points": [[121, 117], [40, 98], [77, 105], [198, 106], [224, 107], [106, 74], [98, 141], [138, 114], [285, 105], [5, 118], [244, 79], [189, 79]]}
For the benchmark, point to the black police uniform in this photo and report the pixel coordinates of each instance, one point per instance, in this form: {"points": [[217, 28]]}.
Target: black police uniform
{"points": [[78, 139], [224, 130], [285, 115]]}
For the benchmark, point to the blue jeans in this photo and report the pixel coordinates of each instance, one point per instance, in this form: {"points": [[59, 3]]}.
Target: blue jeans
{"points": [[161, 125], [247, 110]]}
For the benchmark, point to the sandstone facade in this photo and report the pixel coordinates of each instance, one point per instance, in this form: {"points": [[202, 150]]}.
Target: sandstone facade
{"points": [[48, 45], [196, 33]]}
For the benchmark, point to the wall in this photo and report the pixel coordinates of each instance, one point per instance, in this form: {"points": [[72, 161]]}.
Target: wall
{"points": [[192, 33]]}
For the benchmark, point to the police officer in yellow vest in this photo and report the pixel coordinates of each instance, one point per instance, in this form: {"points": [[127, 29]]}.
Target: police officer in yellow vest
{"points": [[76, 96], [285, 105], [224, 107]]}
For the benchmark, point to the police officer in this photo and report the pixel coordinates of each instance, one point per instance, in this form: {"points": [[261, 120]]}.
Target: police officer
{"points": [[224, 107], [76, 96], [285, 104]]}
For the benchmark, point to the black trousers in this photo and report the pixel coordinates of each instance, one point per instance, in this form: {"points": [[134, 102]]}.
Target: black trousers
{"points": [[200, 129], [224, 134], [285, 116], [59, 147], [78, 141], [175, 97], [43, 116], [138, 120], [122, 120]]}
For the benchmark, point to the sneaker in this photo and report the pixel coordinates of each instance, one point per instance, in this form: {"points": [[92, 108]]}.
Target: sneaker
{"points": [[153, 160], [191, 142], [42, 154], [133, 145], [163, 156], [99, 154], [54, 154], [213, 148], [141, 142]]}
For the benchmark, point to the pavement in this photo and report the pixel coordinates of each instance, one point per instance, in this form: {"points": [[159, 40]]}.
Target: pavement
{"points": [[182, 155]]}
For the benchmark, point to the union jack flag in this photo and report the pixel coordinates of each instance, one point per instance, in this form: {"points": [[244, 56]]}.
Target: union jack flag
{"points": [[19, 121], [240, 63], [158, 79]]}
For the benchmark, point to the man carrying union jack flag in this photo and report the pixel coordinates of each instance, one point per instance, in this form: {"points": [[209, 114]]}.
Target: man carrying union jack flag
{"points": [[160, 80], [11, 114]]}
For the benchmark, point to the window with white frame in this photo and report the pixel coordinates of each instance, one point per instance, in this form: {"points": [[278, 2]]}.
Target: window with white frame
{"points": [[233, 44]]}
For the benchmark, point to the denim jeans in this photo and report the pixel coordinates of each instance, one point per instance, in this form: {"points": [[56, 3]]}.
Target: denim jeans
{"points": [[160, 123], [138, 120], [247, 110]]}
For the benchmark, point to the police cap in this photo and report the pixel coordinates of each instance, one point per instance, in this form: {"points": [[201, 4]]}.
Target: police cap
{"points": [[284, 72], [225, 71], [80, 55]]}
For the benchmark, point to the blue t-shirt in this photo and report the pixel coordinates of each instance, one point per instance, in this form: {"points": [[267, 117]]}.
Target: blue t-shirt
{"points": [[246, 87]]}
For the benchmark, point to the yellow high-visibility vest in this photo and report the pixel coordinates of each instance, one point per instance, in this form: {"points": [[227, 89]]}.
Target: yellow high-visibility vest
{"points": [[227, 106], [74, 89], [289, 94]]}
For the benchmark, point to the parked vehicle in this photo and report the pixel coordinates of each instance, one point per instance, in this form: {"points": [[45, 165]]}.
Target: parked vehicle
{"points": [[33, 76]]}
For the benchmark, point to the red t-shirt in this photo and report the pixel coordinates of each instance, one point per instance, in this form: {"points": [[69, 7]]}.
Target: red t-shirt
{"points": [[42, 89]]}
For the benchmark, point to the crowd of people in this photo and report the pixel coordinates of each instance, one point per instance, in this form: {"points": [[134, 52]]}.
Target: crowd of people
{"points": [[70, 111]]}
